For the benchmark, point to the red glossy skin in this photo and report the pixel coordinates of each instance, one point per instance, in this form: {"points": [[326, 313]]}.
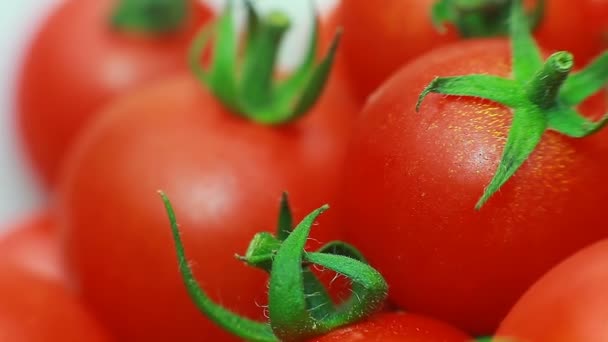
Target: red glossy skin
{"points": [[569, 303], [33, 244], [224, 176], [414, 179], [35, 309], [76, 64], [396, 327], [378, 40], [580, 27]]}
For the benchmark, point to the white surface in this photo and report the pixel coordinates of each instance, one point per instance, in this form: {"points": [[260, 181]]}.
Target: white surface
{"points": [[19, 20]]}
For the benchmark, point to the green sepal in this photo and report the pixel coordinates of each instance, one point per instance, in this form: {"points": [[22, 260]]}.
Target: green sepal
{"points": [[542, 96], [295, 283], [285, 225], [228, 320], [480, 18], [289, 316], [150, 16], [247, 85]]}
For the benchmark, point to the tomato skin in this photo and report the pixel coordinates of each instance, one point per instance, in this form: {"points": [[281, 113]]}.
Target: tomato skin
{"points": [[35, 309], [33, 244], [567, 304], [76, 64], [378, 40], [396, 327], [224, 176], [580, 27], [414, 179]]}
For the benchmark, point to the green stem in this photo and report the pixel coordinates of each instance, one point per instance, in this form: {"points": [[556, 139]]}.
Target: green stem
{"points": [[544, 88], [150, 16], [260, 59]]}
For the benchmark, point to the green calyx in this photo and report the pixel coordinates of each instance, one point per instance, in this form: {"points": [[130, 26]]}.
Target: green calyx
{"points": [[299, 305], [543, 96], [480, 18], [248, 85], [150, 16]]}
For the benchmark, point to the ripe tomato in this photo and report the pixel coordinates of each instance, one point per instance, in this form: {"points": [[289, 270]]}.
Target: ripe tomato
{"points": [[380, 39], [396, 327], [76, 64], [567, 304], [414, 178], [224, 175], [580, 27], [35, 309], [33, 244]]}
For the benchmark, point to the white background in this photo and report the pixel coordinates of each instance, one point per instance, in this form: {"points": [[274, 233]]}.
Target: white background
{"points": [[19, 21]]}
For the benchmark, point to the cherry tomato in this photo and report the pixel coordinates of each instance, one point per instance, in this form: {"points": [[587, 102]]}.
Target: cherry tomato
{"points": [[35, 309], [76, 64], [33, 244], [567, 304], [396, 327], [224, 175], [414, 178], [378, 40]]}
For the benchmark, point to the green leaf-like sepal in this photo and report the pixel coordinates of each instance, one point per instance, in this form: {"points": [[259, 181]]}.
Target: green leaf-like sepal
{"points": [[248, 86], [542, 96], [150, 16], [480, 18], [299, 305]]}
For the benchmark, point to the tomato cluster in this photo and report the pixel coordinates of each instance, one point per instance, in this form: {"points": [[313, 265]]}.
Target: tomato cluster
{"points": [[459, 143]]}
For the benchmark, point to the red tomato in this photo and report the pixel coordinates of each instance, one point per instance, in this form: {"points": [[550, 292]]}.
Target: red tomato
{"points": [[33, 244], [580, 27], [396, 327], [224, 176], [569, 303], [414, 178], [378, 40], [34, 309], [76, 64]]}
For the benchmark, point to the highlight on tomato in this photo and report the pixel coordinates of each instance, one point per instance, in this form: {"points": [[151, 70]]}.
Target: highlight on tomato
{"points": [[223, 141], [88, 52], [510, 140]]}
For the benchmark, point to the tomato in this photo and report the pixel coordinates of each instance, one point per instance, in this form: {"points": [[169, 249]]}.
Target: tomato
{"points": [[396, 327], [33, 244], [414, 178], [224, 175], [35, 309], [579, 27], [378, 40], [567, 304], [76, 64]]}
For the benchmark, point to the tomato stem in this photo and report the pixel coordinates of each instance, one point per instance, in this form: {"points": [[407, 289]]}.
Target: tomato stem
{"points": [[543, 97], [150, 16], [480, 18], [544, 88], [246, 85], [299, 305]]}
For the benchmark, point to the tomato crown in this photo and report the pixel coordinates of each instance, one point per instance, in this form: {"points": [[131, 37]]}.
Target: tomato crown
{"points": [[543, 97], [480, 18], [247, 84], [150, 16], [299, 306]]}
